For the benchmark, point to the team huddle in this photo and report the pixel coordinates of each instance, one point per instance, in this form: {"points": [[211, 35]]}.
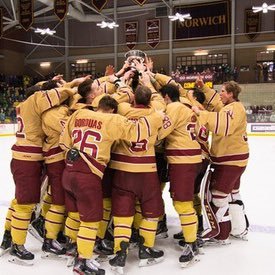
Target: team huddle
{"points": [[105, 148]]}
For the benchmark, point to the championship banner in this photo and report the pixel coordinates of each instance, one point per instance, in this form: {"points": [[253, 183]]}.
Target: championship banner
{"points": [[252, 23], [131, 33], [140, 2], [25, 13], [153, 32], [60, 8], [188, 80], [99, 4], [1, 22], [208, 19]]}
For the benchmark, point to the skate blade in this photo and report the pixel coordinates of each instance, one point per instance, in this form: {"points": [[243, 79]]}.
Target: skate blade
{"points": [[34, 233], [117, 270], [201, 251], [133, 246], [216, 243], [104, 258], [150, 261], [241, 238], [15, 260], [70, 261], [51, 256], [4, 251], [192, 262], [162, 235]]}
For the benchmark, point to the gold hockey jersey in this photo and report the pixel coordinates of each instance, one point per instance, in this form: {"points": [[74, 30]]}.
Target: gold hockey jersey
{"points": [[30, 136], [138, 156], [229, 144], [93, 134], [53, 122], [179, 131]]}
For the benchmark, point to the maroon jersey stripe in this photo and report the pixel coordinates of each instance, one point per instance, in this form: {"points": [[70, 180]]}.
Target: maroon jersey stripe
{"points": [[135, 160], [26, 149], [230, 158], [183, 152], [52, 151]]}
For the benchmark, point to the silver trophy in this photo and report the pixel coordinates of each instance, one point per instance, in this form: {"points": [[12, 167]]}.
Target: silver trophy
{"points": [[135, 55]]}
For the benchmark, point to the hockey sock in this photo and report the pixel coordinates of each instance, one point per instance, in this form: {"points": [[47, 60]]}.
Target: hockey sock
{"points": [[9, 215], [197, 204], [54, 221], [72, 225], [86, 239], [107, 206], [188, 219], [20, 222], [147, 230], [46, 202], [122, 230], [138, 216]]}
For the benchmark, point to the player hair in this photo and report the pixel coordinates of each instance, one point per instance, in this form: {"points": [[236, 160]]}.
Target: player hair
{"points": [[107, 103], [84, 89], [143, 95], [31, 90], [234, 88], [199, 95], [48, 85], [172, 91]]}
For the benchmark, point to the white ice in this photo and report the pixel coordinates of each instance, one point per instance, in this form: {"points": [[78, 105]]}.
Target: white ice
{"points": [[254, 257]]}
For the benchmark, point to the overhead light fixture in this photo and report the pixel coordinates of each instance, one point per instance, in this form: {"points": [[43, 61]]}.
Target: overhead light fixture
{"points": [[271, 48], [201, 52], [109, 25], [180, 17], [45, 31], [81, 61], [45, 64], [264, 8]]}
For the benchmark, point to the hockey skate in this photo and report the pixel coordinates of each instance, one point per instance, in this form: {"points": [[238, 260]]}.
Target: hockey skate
{"points": [[216, 242], [21, 256], [85, 266], [162, 229], [189, 254], [6, 243], [71, 253], [148, 255], [53, 250], [134, 240], [199, 247], [118, 262], [178, 236], [37, 229], [104, 249]]}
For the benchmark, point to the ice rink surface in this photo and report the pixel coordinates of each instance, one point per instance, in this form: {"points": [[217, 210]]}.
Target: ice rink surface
{"points": [[254, 257]]}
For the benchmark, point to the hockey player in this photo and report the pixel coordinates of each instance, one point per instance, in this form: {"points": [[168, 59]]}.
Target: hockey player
{"points": [[184, 157], [87, 138], [27, 160], [229, 150], [53, 122], [136, 178]]}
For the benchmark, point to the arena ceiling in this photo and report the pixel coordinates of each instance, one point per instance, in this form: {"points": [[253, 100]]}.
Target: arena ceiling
{"points": [[84, 11]]}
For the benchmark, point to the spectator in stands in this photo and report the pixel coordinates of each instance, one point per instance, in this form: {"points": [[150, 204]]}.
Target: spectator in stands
{"points": [[2, 116]]}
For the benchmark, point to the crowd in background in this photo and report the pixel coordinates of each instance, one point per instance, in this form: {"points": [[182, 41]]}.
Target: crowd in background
{"points": [[12, 91]]}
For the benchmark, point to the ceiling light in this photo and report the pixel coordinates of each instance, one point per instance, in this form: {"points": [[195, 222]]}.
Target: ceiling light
{"points": [[81, 61], [180, 17], [271, 48], [201, 52], [109, 25], [264, 8], [45, 31], [45, 64]]}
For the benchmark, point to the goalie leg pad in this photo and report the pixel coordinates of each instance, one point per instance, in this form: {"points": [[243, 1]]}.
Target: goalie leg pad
{"points": [[239, 219]]}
